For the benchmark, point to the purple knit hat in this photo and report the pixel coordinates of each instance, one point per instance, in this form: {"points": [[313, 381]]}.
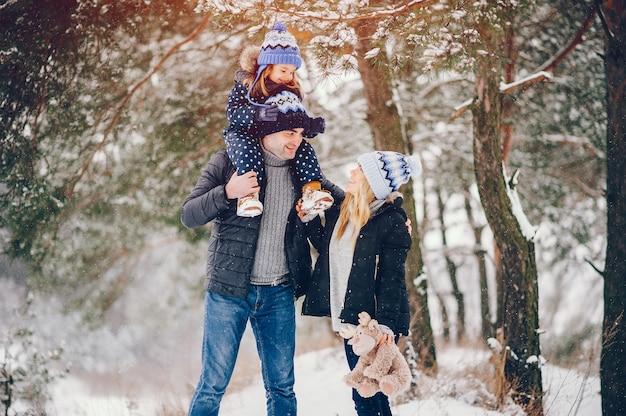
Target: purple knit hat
{"points": [[279, 47]]}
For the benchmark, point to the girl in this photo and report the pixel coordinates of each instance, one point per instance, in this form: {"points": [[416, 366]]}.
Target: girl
{"points": [[262, 74], [362, 251]]}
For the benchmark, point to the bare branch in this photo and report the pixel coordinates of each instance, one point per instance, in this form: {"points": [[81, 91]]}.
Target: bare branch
{"points": [[594, 267], [605, 26], [72, 184], [555, 60]]}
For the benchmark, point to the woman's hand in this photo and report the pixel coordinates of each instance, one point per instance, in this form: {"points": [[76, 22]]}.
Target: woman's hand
{"points": [[299, 209]]}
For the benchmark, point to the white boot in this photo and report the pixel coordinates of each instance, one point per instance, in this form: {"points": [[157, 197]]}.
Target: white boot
{"points": [[249, 206], [314, 201]]}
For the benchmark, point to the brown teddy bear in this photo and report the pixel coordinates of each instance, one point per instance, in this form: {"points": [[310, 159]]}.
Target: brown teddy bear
{"points": [[380, 367]]}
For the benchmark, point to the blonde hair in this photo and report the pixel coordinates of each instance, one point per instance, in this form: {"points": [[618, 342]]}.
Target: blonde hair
{"points": [[259, 89], [355, 209]]}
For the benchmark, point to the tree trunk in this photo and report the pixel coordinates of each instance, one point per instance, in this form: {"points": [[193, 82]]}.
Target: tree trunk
{"points": [[613, 362], [445, 319], [517, 252], [479, 253], [452, 268], [384, 121], [506, 130], [508, 107]]}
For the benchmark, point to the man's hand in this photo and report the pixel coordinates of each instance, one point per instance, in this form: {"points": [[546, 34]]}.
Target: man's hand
{"points": [[240, 186], [266, 113]]}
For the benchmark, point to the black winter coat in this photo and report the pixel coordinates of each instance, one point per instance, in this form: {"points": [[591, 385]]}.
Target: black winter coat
{"points": [[232, 245], [376, 283]]}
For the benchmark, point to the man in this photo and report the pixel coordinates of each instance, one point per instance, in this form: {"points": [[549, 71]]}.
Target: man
{"points": [[256, 266]]}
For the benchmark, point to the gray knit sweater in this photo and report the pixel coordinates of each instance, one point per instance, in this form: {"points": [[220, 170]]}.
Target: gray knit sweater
{"points": [[270, 264]]}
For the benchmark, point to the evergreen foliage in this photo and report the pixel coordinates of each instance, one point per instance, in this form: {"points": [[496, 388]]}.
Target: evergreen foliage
{"points": [[88, 182], [25, 370]]}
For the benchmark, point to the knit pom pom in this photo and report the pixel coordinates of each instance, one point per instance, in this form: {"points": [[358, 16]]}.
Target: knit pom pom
{"points": [[280, 27], [415, 165]]}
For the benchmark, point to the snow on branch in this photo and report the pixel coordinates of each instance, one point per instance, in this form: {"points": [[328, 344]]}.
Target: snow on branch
{"points": [[524, 83], [510, 88], [376, 14]]}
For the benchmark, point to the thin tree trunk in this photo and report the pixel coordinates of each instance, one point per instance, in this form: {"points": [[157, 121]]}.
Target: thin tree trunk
{"points": [[479, 252], [384, 121], [445, 317], [451, 266], [613, 362]]}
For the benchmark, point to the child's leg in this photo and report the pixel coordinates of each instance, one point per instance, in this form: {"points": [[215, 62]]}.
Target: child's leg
{"points": [[307, 167], [314, 199], [246, 155], [245, 152]]}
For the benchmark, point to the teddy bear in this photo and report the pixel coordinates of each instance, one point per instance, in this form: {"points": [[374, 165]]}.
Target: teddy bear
{"points": [[380, 367]]}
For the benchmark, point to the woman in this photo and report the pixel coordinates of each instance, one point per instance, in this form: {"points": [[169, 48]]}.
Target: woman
{"points": [[362, 252]]}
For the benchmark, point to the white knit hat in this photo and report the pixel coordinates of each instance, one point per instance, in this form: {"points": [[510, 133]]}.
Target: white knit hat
{"points": [[385, 171]]}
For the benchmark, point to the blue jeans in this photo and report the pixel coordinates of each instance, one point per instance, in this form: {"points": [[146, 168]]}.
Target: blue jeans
{"points": [[377, 405], [271, 311]]}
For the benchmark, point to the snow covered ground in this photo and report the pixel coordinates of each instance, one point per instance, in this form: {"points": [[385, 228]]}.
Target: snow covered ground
{"points": [[457, 391]]}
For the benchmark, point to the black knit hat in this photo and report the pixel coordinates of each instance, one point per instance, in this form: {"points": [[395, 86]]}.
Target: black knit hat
{"points": [[291, 115]]}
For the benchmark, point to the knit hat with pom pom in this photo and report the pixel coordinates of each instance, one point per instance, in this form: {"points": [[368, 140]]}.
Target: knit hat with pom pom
{"points": [[385, 171], [279, 47]]}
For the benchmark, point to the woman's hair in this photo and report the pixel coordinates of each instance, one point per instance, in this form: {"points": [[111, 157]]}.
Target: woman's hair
{"points": [[355, 209], [259, 88]]}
